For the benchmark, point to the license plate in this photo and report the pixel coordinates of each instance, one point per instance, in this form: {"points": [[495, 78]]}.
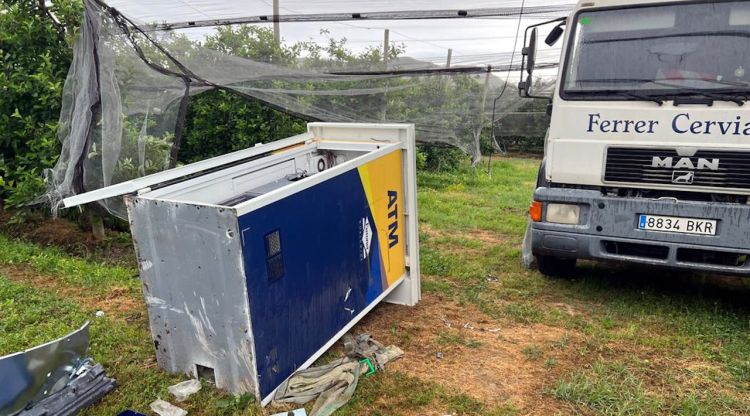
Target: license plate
{"points": [[677, 224]]}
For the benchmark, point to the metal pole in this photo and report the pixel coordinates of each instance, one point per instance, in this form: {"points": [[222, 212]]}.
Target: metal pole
{"points": [[386, 42], [448, 61], [276, 29], [482, 114]]}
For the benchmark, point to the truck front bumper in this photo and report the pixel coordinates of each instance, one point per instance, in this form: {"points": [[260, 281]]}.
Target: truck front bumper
{"points": [[608, 230]]}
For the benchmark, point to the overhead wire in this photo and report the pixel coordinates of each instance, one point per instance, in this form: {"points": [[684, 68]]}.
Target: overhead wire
{"points": [[505, 85]]}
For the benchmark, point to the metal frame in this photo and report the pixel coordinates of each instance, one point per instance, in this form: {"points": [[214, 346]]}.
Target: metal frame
{"points": [[135, 185], [510, 12]]}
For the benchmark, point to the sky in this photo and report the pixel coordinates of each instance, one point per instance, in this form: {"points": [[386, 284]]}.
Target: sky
{"points": [[477, 41]]}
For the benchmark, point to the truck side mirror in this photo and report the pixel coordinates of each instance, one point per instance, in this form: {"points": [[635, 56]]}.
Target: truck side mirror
{"points": [[528, 53], [554, 34]]}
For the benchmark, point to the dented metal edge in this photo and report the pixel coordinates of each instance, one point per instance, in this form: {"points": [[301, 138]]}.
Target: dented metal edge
{"points": [[31, 375]]}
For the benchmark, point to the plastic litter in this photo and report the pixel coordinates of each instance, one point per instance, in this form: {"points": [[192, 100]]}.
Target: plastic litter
{"points": [[162, 408], [182, 391]]}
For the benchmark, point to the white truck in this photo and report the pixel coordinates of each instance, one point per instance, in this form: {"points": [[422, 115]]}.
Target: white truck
{"points": [[647, 157]]}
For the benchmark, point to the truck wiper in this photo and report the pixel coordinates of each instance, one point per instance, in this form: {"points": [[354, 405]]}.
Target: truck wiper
{"points": [[623, 93], [641, 96], [736, 96]]}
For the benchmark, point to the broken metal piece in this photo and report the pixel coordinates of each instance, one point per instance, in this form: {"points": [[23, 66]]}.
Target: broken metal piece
{"points": [[86, 387], [27, 377]]}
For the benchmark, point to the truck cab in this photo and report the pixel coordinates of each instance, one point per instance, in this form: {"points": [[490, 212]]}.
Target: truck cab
{"points": [[647, 157]]}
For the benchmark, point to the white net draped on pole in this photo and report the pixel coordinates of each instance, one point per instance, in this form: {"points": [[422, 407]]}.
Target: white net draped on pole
{"points": [[125, 97]]}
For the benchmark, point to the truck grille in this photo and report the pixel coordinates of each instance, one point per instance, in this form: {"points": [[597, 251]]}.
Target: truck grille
{"points": [[636, 165]]}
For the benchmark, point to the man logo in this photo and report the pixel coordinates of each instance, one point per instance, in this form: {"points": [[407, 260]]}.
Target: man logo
{"points": [[684, 163], [682, 177]]}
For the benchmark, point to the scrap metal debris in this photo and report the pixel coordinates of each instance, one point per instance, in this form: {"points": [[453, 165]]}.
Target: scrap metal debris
{"points": [[88, 385], [54, 378], [332, 385], [182, 391], [162, 408]]}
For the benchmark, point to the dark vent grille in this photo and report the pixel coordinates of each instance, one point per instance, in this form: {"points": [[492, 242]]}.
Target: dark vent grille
{"points": [[274, 260], [635, 165]]}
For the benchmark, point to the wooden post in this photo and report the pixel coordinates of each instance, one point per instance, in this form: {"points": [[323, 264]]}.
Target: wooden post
{"points": [[97, 225]]}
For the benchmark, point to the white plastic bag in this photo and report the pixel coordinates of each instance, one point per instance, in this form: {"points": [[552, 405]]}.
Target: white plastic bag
{"points": [[181, 391], [162, 408]]}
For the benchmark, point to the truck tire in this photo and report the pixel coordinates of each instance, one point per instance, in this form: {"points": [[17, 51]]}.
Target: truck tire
{"points": [[555, 267]]}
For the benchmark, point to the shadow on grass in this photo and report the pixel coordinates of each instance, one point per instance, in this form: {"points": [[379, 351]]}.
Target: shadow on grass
{"points": [[613, 280]]}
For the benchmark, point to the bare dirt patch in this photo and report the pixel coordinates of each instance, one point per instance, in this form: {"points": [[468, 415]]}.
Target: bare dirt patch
{"points": [[67, 236], [117, 301], [485, 236], [467, 352]]}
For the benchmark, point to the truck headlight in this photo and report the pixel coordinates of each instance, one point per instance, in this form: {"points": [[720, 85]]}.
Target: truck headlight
{"points": [[563, 213]]}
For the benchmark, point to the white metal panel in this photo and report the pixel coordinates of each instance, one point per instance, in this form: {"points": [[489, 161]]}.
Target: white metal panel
{"points": [[577, 144], [410, 291], [134, 185], [313, 180], [217, 186]]}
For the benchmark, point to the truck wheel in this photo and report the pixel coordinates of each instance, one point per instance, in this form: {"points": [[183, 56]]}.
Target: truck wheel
{"points": [[555, 267]]}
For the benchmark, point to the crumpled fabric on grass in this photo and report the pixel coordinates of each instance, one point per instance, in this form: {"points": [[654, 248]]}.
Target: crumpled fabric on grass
{"points": [[332, 385]]}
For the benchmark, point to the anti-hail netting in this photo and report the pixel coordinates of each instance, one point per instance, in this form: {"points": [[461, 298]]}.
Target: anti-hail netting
{"points": [[128, 88]]}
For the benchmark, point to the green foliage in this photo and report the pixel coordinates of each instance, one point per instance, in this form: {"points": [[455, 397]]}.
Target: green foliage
{"points": [[220, 122], [522, 131], [35, 56], [439, 157]]}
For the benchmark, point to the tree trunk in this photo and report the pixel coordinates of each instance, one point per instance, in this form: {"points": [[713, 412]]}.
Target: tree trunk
{"points": [[97, 225]]}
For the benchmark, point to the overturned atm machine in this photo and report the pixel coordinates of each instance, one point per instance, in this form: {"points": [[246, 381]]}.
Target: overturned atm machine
{"points": [[254, 263]]}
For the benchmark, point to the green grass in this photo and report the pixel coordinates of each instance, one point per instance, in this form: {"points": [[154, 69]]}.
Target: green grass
{"points": [[30, 317], [609, 389], [72, 271], [630, 341], [620, 308], [619, 387]]}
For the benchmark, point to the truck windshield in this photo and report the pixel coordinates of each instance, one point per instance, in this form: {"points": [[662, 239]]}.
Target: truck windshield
{"points": [[660, 51]]}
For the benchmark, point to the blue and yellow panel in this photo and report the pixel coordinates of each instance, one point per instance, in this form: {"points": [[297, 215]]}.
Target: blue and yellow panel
{"points": [[315, 259]]}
